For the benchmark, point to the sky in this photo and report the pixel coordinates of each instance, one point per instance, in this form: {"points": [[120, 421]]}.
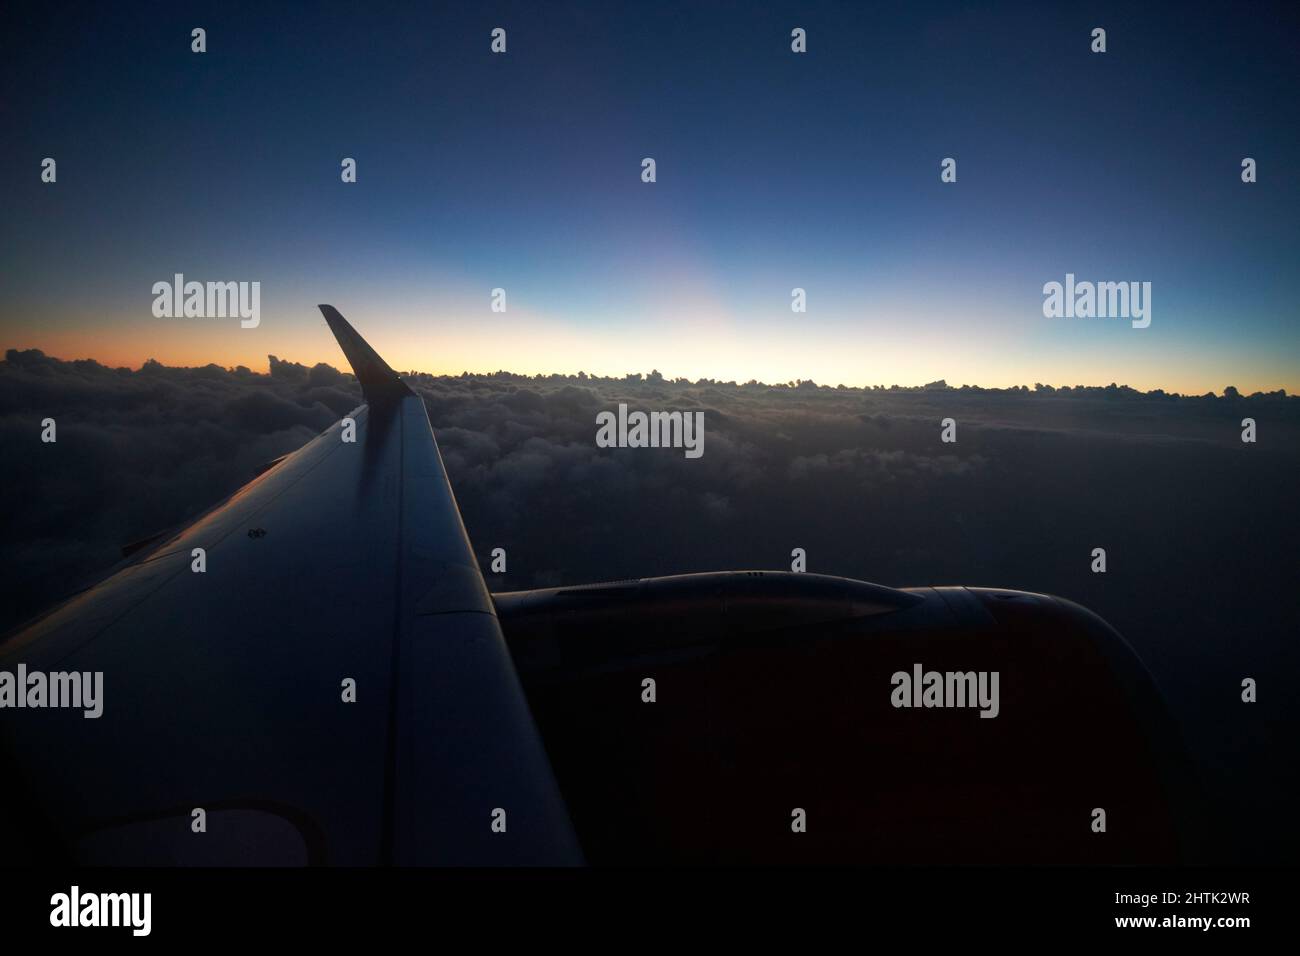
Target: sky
{"points": [[775, 170]]}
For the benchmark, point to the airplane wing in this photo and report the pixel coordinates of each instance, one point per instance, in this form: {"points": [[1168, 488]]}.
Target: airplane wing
{"points": [[332, 687]]}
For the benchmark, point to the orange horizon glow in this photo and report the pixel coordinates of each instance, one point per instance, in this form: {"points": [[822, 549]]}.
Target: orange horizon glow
{"points": [[556, 350]]}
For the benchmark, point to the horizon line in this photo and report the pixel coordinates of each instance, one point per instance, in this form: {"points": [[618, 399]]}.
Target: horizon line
{"points": [[644, 378]]}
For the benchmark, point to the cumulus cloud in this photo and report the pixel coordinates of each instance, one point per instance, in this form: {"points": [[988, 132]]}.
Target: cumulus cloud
{"points": [[856, 477], [873, 465]]}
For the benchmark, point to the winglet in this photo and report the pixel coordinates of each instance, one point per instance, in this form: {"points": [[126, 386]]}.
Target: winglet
{"points": [[379, 383]]}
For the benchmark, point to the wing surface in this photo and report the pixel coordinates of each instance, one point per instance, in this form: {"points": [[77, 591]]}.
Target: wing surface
{"points": [[224, 689]]}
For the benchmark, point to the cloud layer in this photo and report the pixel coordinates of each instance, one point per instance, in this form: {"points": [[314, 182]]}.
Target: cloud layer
{"points": [[1199, 527]]}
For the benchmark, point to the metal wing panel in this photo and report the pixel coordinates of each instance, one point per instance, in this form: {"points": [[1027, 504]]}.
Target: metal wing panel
{"points": [[461, 707], [84, 616], [223, 689]]}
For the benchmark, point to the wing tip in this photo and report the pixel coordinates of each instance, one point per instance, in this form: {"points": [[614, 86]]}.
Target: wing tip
{"points": [[378, 381]]}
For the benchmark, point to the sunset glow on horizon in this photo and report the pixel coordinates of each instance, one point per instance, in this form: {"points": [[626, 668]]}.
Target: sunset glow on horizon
{"points": [[526, 344], [523, 173]]}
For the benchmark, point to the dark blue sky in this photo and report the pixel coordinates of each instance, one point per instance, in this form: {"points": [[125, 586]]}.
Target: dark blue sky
{"points": [[775, 170]]}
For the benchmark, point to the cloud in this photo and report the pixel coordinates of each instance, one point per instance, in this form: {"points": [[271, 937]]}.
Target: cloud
{"points": [[857, 477], [874, 465]]}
